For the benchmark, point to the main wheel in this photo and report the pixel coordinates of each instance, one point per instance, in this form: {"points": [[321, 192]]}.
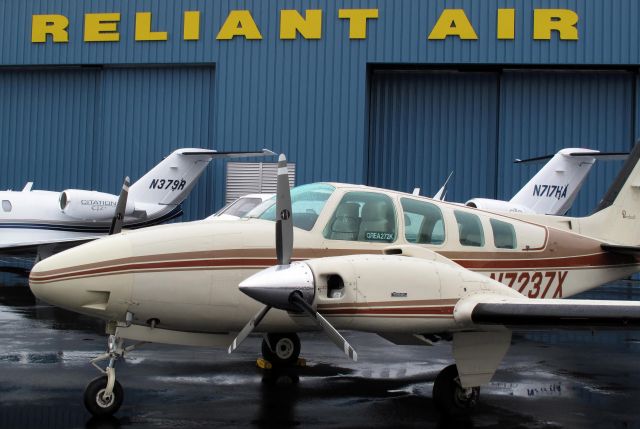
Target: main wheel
{"points": [[95, 401], [450, 397], [285, 349]]}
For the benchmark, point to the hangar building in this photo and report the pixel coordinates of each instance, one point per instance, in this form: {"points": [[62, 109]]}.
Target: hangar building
{"points": [[384, 92]]}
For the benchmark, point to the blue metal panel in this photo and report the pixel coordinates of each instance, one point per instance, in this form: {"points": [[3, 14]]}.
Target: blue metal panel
{"points": [[47, 128], [426, 124], [544, 111], [145, 114], [305, 97], [89, 128]]}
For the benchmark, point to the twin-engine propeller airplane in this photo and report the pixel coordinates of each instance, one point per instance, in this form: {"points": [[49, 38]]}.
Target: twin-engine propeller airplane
{"points": [[408, 268], [39, 223], [554, 188]]}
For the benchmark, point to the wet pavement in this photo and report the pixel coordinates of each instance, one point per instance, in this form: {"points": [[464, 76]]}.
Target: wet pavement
{"points": [[563, 379]]}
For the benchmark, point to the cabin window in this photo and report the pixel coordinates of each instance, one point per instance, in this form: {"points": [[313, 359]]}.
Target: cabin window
{"points": [[307, 201], [469, 229], [504, 235], [6, 205], [423, 222], [363, 216]]}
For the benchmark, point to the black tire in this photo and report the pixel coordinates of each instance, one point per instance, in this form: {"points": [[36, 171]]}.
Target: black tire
{"points": [[93, 399], [449, 397], [286, 349]]}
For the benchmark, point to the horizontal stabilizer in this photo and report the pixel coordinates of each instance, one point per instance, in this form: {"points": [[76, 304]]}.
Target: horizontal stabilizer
{"points": [[602, 156], [219, 154]]}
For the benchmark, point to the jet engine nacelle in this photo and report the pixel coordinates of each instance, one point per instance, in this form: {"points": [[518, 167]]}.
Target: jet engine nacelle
{"points": [[90, 205], [498, 206]]}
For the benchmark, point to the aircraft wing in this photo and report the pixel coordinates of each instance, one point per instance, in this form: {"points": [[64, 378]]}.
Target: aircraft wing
{"points": [[624, 250], [30, 250], [523, 314]]}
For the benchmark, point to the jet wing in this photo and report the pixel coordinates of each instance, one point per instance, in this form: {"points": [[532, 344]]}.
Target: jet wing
{"points": [[522, 314], [30, 250]]}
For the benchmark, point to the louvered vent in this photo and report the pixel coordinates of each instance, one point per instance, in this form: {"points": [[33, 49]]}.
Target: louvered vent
{"points": [[254, 178]]}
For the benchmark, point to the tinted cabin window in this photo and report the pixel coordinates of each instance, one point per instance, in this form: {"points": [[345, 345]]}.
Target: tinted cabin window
{"points": [[6, 205], [504, 235], [307, 202], [363, 216], [423, 222], [469, 228]]}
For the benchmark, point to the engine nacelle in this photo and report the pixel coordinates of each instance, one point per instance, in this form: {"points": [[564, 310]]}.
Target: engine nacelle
{"points": [[498, 206], [91, 205]]}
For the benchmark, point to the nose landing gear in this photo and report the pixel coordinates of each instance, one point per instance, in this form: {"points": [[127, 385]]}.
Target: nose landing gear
{"points": [[103, 396]]}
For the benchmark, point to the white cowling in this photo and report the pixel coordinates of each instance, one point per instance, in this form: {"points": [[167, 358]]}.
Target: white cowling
{"points": [[90, 205], [498, 206]]}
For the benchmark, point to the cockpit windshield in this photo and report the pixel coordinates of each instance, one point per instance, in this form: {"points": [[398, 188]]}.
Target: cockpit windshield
{"points": [[307, 202]]}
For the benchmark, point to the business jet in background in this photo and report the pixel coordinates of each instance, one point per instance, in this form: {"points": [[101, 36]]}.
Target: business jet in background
{"points": [[554, 188], [36, 224]]}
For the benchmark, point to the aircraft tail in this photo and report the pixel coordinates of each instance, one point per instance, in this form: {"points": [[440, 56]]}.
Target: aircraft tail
{"points": [[171, 181], [554, 188], [617, 217]]}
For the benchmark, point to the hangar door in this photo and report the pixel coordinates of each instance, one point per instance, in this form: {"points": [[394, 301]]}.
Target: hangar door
{"points": [[425, 124], [90, 127]]}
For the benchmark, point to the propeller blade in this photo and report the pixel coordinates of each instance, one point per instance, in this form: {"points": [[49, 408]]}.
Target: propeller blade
{"points": [[333, 334], [284, 224], [118, 217], [248, 328]]}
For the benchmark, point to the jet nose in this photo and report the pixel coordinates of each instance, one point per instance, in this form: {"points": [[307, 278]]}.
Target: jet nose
{"points": [[83, 279], [274, 285]]}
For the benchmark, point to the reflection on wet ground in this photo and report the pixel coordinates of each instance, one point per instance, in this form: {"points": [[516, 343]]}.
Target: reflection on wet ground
{"points": [[563, 379]]}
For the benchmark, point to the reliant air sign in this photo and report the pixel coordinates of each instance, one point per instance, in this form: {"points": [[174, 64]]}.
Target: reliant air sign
{"points": [[294, 24]]}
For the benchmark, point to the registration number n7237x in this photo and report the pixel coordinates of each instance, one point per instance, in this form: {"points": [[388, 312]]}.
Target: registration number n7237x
{"points": [[534, 284]]}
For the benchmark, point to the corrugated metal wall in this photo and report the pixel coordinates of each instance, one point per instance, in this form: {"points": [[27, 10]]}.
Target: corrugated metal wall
{"points": [[544, 111], [305, 97], [424, 124], [88, 128]]}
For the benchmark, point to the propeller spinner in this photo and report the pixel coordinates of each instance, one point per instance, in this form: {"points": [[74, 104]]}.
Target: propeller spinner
{"points": [[289, 285]]}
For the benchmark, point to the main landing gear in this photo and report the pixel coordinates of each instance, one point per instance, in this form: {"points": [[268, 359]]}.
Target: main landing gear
{"points": [[281, 349], [450, 397], [103, 395]]}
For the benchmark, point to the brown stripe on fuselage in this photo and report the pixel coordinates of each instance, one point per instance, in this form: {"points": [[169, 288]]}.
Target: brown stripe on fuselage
{"points": [[560, 251], [396, 310], [413, 302]]}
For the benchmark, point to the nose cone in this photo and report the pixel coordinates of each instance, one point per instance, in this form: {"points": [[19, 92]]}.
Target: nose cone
{"points": [[87, 279], [274, 285]]}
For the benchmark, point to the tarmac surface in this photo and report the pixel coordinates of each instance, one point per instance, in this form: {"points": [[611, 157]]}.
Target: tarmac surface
{"points": [[562, 379]]}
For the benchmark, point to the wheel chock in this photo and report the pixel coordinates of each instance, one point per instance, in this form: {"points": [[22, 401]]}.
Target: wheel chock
{"points": [[263, 364]]}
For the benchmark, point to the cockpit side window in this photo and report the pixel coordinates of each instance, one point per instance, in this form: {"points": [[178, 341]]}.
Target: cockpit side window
{"points": [[469, 228], [6, 206], [504, 235], [423, 222], [307, 201], [363, 216]]}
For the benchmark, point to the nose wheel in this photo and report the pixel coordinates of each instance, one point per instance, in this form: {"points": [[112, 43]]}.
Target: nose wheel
{"points": [[281, 349], [450, 397], [97, 399]]}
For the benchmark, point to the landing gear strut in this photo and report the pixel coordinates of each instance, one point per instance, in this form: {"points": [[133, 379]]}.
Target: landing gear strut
{"points": [[450, 397], [281, 349], [103, 395]]}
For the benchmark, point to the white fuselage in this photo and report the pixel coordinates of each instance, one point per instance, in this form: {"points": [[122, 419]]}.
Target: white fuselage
{"points": [[35, 217]]}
